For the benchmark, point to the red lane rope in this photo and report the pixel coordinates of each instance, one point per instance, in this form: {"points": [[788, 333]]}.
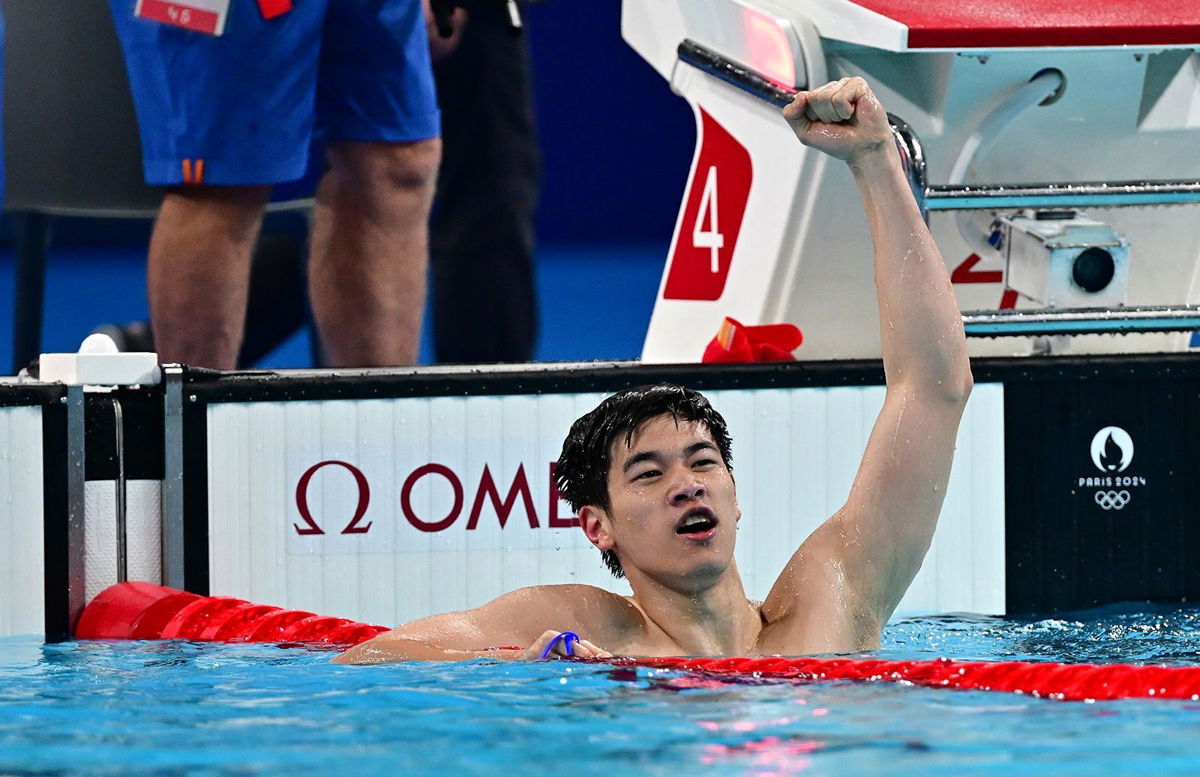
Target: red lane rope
{"points": [[145, 611], [1068, 682]]}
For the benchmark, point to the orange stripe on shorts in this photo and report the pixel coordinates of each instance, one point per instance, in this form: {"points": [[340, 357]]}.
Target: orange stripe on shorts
{"points": [[187, 171], [199, 171]]}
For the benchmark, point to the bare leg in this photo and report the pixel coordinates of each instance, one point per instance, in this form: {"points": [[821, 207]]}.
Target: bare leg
{"points": [[199, 270], [370, 251]]}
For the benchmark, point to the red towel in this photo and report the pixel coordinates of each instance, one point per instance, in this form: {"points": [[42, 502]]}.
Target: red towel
{"points": [[736, 342]]}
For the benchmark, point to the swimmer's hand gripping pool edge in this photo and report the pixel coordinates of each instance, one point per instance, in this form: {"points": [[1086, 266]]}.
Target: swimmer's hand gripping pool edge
{"points": [[553, 645], [550, 645], [567, 644]]}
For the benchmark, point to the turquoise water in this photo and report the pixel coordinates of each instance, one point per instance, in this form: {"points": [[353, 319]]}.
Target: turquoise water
{"points": [[209, 709]]}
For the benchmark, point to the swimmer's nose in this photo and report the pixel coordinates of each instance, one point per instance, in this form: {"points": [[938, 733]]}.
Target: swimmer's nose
{"points": [[688, 491]]}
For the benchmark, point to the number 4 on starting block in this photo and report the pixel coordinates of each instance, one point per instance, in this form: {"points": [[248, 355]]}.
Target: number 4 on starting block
{"points": [[711, 217]]}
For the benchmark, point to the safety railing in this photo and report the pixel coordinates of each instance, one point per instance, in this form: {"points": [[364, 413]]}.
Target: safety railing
{"points": [[1082, 321]]}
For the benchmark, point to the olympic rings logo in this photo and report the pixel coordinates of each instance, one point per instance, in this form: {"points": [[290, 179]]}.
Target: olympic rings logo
{"points": [[1112, 500]]}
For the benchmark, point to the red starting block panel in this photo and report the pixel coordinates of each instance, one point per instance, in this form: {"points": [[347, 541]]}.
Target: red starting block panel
{"points": [[991, 24]]}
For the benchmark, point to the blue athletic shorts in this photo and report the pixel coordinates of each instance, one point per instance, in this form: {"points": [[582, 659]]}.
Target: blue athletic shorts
{"points": [[249, 106]]}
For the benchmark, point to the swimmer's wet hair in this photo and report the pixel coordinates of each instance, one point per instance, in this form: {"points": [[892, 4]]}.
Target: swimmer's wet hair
{"points": [[582, 469]]}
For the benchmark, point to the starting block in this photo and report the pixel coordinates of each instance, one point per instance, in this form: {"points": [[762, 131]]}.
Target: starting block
{"points": [[1011, 112]]}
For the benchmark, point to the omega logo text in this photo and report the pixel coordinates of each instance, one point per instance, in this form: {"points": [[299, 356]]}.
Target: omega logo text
{"points": [[487, 491]]}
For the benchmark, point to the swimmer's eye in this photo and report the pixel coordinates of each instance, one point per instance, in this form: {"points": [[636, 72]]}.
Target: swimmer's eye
{"points": [[645, 474], [705, 463]]}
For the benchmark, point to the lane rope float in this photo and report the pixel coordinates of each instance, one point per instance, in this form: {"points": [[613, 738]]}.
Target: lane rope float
{"points": [[136, 610], [145, 611]]}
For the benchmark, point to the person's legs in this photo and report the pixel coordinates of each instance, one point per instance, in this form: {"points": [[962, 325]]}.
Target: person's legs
{"points": [[221, 119], [199, 269], [377, 112], [369, 251]]}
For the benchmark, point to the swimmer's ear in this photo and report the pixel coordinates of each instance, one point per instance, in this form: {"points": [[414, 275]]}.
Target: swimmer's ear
{"points": [[594, 523]]}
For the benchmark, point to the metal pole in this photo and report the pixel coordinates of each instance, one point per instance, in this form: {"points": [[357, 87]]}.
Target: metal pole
{"points": [[1082, 321], [122, 535], [1098, 194], [172, 501], [76, 483], [735, 73]]}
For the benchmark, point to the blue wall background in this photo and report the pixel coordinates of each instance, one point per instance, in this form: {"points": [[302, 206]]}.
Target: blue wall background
{"points": [[617, 143]]}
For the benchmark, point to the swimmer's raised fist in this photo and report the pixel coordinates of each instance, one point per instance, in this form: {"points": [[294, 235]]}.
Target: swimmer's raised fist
{"points": [[841, 118]]}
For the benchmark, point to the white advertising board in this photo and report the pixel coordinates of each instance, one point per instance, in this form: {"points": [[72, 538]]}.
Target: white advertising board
{"points": [[392, 509], [22, 568]]}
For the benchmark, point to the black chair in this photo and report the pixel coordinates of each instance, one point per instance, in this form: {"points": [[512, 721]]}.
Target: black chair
{"points": [[71, 145]]}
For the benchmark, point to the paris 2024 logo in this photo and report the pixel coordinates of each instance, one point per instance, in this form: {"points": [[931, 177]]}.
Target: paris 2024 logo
{"points": [[1112, 453]]}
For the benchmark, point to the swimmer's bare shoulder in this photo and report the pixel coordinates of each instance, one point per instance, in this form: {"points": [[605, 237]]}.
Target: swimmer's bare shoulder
{"points": [[505, 627]]}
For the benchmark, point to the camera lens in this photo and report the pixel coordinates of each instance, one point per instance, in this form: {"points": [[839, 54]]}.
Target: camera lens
{"points": [[1093, 270]]}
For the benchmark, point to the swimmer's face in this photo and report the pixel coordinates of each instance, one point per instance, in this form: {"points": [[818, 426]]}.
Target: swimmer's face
{"points": [[673, 509]]}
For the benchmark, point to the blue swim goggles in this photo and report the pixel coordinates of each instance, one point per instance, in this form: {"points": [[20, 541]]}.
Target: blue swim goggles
{"points": [[567, 639]]}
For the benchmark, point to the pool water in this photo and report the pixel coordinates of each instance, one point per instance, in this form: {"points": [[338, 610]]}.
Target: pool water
{"points": [[167, 708]]}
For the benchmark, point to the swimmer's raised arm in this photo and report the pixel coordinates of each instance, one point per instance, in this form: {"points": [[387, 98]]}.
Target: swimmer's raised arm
{"points": [[511, 627], [871, 549]]}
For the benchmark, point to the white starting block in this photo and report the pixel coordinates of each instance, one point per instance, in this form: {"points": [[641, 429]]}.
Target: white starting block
{"points": [[1011, 109]]}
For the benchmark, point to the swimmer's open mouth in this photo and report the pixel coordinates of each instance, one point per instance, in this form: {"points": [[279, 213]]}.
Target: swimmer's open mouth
{"points": [[698, 520]]}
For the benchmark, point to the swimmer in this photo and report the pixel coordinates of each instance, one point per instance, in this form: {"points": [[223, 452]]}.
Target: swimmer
{"points": [[649, 474]]}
